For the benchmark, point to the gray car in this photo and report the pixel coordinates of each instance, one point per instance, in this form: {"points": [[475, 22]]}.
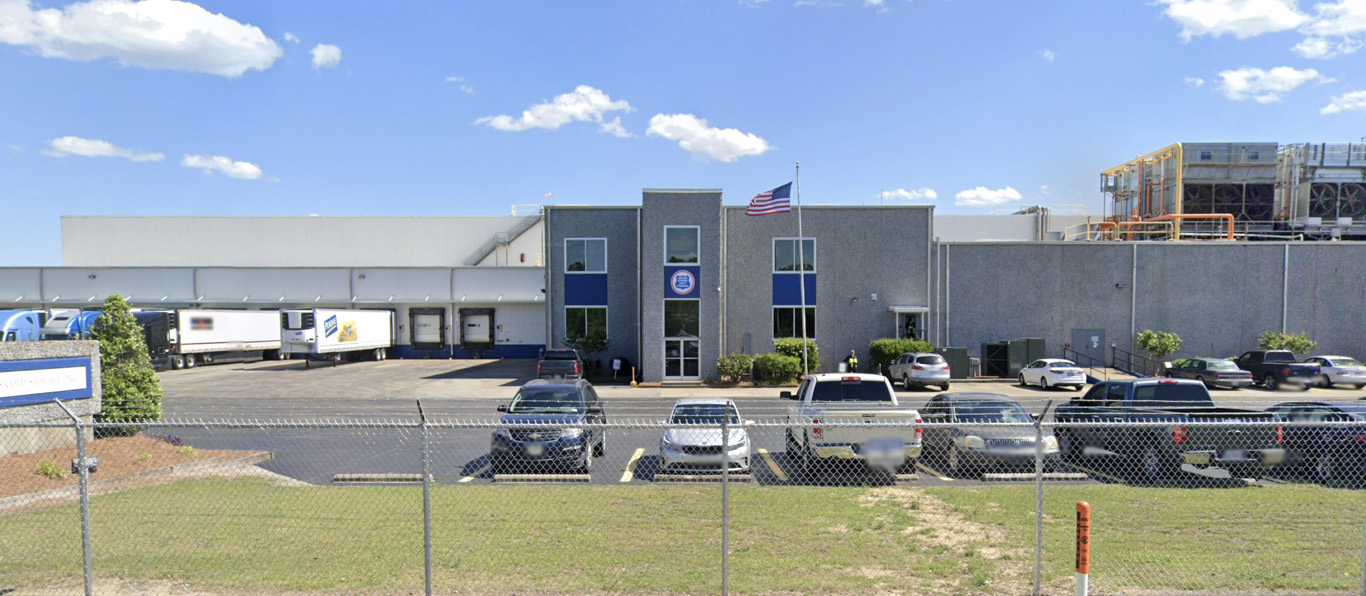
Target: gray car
{"points": [[1213, 372], [915, 369], [701, 449], [968, 433]]}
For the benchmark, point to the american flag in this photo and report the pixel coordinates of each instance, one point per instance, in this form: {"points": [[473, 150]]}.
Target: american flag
{"points": [[771, 201]]}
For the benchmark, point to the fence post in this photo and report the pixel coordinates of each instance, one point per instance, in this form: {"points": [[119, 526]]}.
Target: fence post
{"points": [[1038, 501], [725, 501], [84, 470], [426, 500]]}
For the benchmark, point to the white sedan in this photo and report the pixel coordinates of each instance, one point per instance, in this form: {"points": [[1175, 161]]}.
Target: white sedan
{"points": [[1340, 370], [1053, 372]]}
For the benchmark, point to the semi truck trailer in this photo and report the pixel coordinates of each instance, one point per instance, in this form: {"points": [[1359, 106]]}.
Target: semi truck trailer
{"points": [[333, 334], [179, 339]]}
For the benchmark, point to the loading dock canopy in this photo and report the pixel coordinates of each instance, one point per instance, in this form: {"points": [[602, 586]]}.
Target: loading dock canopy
{"points": [[901, 310]]}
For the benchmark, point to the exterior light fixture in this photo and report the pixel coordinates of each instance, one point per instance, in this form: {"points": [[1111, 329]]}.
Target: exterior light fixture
{"points": [[361, 276], [91, 276]]}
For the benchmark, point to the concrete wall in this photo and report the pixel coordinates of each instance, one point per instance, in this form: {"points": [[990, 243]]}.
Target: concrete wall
{"points": [[1219, 297], [618, 226], [680, 208], [860, 251], [29, 440]]}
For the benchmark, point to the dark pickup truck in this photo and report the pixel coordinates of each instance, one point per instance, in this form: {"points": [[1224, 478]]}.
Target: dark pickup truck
{"points": [[560, 363], [1274, 368], [1246, 451]]}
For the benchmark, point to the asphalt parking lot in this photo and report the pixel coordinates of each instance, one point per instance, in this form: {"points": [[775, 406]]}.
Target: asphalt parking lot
{"points": [[470, 391]]}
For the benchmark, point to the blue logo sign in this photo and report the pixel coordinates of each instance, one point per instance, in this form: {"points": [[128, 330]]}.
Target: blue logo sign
{"points": [[330, 326], [683, 282]]}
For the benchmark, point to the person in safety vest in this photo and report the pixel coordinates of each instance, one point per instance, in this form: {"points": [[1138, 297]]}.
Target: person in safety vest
{"points": [[851, 362]]}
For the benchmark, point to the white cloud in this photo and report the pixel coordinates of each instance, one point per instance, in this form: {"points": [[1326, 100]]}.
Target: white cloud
{"points": [[68, 146], [985, 197], [1241, 18], [1048, 55], [1322, 49], [584, 104], [1265, 86], [1046, 190], [1356, 100], [918, 194], [464, 88], [1195, 82], [291, 38], [325, 56], [1346, 17], [615, 129], [694, 136], [166, 34], [233, 169]]}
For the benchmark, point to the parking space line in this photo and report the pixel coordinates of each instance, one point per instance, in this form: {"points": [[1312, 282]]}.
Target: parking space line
{"points": [[934, 473], [1095, 473], [479, 472], [631, 465], [773, 465]]}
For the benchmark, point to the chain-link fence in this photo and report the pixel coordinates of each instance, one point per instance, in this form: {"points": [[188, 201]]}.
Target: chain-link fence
{"points": [[702, 502]]}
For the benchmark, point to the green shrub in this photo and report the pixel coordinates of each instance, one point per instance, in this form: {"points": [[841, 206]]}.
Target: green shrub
{"points": [[1158, 343], [1275, 340], [49, 469], [734, 368], [187, 450], [131, 389], [885, 351], [776, 368], [792, 346]]}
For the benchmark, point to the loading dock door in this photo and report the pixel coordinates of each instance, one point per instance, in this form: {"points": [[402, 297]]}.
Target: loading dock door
{"points": [[427, 329], [476, 328]]}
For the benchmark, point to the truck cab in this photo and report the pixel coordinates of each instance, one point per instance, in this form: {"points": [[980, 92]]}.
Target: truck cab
{"points": [[19, 325]]}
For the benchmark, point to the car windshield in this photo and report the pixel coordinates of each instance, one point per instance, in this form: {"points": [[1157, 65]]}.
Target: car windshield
{"points": [[990, 412], [703, 414], [855, 390], [560, 355], [1221, 365], [559, 400], [1062, 364], [1344, 362], [1356, 412], [930, 360]]}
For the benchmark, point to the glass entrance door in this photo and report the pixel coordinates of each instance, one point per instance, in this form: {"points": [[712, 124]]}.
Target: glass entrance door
{"points": [[680, 359], [681, 350]]}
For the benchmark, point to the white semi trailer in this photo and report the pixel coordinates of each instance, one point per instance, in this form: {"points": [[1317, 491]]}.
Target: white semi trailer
{"points": [[337, 333], [201, 336]]}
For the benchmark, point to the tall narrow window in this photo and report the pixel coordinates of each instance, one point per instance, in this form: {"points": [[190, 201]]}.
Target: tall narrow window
{"points": [[680, 245], [785, 255], [585, 255]]}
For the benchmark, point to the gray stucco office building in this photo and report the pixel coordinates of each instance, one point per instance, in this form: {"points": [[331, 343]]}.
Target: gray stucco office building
{"points": [[682, 279]]}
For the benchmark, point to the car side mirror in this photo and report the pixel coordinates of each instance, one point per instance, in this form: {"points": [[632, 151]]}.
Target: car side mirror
{"points": [[595, 410], [1034, 417], [785, 395], [502, 408]]}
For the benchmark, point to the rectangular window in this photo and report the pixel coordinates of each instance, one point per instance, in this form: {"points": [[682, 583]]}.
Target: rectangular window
{"points": [[680, 244], [682, 318], [585, 321], [785, 255], [786, 323], [585, 255]]}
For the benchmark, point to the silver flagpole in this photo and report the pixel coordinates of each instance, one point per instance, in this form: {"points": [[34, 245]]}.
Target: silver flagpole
{"points": [[801, 266]]}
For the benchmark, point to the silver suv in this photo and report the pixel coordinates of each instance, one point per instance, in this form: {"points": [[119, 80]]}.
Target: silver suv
{"points": [[915, 369]]}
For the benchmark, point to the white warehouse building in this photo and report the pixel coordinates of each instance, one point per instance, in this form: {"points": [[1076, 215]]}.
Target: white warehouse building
{"points": [[459, 286]]}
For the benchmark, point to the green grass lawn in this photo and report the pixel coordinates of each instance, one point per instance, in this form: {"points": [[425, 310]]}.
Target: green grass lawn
{"points": [[247, 535]]}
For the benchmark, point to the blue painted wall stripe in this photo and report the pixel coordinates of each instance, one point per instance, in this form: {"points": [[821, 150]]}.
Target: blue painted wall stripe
{"points": [[787, 289], [585, 289]]}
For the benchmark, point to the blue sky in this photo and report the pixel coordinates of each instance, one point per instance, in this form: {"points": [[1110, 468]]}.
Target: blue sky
{"points": [[160, 107]]}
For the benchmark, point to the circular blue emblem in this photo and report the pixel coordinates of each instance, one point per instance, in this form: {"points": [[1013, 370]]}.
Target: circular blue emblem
{"points": [[683, 282]]}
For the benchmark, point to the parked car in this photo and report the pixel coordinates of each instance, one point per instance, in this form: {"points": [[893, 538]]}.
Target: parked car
{"points": [[1246, 451], [843, 416], [1339, 370], [1275, 368], [1331, 455], [548, 426], [1213, 372], [1053, 372], [920, 370], [560, 363], [701, 449], [992, 447]]}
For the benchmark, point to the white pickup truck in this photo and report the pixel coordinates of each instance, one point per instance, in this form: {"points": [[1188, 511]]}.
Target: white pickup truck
{"points": [[845, 416]]}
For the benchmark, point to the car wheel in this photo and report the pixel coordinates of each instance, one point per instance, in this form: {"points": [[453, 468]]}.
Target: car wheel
{"points": [[497, 465], [190, 361], [1325, 470], [1325, 382], [601, 447], [956, 463], [943, 386], [1043, 383], [1304, 387], [587, 462], [1359, 386], [1022, 381], [1272, 383], [906, 382], [791, 443], [808, 463], [1157, 465], [177, 363], [1202, 380], [1067, 443]]}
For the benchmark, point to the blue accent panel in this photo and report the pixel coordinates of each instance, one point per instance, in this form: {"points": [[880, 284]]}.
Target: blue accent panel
{"points": [[585, 289], [530, 351], [41, 398], [682, 281], [787, 289]]}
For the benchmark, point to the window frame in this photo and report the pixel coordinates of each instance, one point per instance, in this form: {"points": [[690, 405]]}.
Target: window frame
{"points": [[665, 317], [697, 230], [815, 250], [811, 329], [585, 256], [606, 319]]}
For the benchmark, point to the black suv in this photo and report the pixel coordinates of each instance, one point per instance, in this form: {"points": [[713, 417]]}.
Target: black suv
{"points": [[548, 426]]}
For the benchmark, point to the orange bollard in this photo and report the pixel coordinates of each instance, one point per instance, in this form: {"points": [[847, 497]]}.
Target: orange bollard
{"points": [[1083, 548]]}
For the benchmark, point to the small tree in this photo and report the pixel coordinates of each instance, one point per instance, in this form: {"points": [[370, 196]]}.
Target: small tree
{"points": [[734, 368], [1298, 343], [132, 391], [792, 346], [588, 345], [1158, 343]]}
